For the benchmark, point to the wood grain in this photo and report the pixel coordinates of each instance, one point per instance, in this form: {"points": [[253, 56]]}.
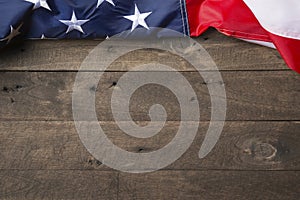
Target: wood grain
{"points": [[63, 184], [242, 146], [66, 55], [159, 185], [250, 96], [211, 185], [42, 157]]}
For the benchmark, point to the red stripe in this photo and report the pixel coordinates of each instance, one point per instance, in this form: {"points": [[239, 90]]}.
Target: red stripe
{"points": [[289, 50], [194, 17], [231, 17]]}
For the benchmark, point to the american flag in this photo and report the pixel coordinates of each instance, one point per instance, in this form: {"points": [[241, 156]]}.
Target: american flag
{"points": [[273, 23]]}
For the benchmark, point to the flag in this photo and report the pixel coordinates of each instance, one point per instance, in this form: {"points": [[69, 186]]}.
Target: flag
{"points": [[273, 23], [270, 22]]}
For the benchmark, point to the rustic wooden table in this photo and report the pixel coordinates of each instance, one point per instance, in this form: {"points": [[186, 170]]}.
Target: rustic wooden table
{"points": [[257, 156]]}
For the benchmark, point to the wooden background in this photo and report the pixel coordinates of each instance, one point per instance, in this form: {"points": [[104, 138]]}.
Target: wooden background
{"points": [[257, 156]]}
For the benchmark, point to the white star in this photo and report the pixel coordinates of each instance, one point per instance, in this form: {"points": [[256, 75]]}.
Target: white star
{"points": [[101, 1], [138, 18], [74, 24], [13, 33], [39, 3]]}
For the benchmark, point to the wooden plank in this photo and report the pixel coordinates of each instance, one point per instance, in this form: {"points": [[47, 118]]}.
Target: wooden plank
{"points": [[242, 146], [63, 184], [54, 55], [211, 185], [159, 185], [250, 96]]}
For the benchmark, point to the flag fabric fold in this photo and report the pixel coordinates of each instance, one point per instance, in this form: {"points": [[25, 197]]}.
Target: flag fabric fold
{"points": [[269, 22], [274, 23]]}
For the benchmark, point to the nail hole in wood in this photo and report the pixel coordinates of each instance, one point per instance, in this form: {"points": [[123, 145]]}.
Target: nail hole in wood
{"points": [[93, 88], [193, 99], [19, 86], [5, 89], [114, 84]]}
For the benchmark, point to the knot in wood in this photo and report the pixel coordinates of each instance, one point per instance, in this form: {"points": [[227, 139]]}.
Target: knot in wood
{"points": [[263, 151]]}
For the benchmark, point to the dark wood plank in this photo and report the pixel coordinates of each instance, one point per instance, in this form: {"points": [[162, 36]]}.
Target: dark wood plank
{"points": [[211, 185], [250, 96], [58, 184], [42, 157], [159, 185], [228, 53], [242, 146]]}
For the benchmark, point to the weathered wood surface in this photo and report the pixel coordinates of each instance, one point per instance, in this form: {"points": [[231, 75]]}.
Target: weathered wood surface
{"points": [[211, 185], [228, 54], [250, 96], [59, 184], [257, 156], [208, 185], [242, 146], [74, 184]]}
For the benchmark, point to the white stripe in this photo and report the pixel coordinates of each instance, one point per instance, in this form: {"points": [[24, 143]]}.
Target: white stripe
{"points": [[267, 44], [280, 17]]}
